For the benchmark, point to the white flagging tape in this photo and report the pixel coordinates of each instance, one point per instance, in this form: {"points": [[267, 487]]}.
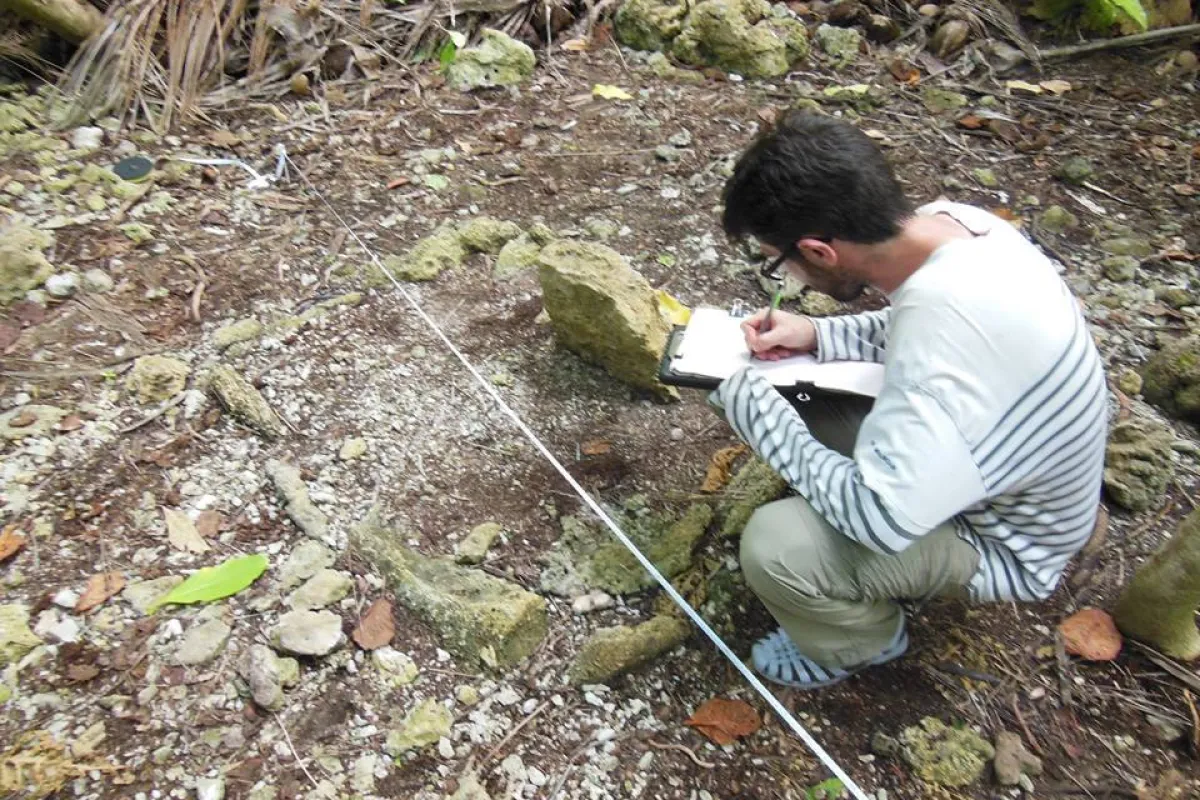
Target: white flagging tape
{"points": [[750, 677]]}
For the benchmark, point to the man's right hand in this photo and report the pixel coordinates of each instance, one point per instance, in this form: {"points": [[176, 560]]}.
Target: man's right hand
{"points": [[789, 334]]}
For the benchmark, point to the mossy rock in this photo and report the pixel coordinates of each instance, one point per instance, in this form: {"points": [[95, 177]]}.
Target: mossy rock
{"points": [[938, 753], [586, 556], [1172, 378], [23, 265], [754, 485], [440, 251], [613, 651], [488, 235], [734, 36], [498, 60], [649, 24], [1138, 464], [484, 620]]}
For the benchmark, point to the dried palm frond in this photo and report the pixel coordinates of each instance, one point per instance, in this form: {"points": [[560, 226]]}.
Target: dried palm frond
{"points": [[168, 60]]}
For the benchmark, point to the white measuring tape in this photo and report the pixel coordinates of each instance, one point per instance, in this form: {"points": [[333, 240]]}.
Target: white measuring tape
{"points": [[699, 621]]}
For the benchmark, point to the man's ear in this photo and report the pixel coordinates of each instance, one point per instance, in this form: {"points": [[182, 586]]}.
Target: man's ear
{"points": [[818, 252]]}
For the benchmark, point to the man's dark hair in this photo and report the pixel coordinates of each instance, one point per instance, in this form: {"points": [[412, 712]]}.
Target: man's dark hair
{"points": [[813, 175]]}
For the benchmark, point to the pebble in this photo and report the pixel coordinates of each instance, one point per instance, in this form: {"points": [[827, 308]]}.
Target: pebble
{"points": [[65, 598], [64, 284], [308, 633], [53, 625], [445, 748], [352, 449], [87, 138], [1037, 693], [670, 193], [97, 280], [210, 789], [204, 642], [681, 139], [676, 434]]}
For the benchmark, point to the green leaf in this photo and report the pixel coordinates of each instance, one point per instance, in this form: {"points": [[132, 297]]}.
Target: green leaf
{"points": [[213, 583], [447, 54], [1131, 9], [825, 790]]}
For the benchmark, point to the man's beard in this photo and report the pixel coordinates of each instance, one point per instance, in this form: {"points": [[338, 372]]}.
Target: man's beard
{"points": [[839, 287]]}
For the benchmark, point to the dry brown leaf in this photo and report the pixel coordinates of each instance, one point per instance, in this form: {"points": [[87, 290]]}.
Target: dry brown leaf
{"points": [[182, 533], [225, 139], [10, 542], [23, 420], [100, 587], [396, 183], [595, 447], [971, 122], [1056, 87], [82, 673], [209, 523], [575, 45], [376, 627], [720, 468], [768, 114], [904, 72], [1184, 189], [725, 721], [71, 422], [1023, 86], [1091, 634]]}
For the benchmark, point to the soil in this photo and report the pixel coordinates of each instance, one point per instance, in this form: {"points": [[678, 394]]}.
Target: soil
{"points": [[442, 459]]}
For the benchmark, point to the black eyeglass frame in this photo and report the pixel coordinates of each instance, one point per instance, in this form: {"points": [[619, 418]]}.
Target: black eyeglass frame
{"points": [[771, 270]]}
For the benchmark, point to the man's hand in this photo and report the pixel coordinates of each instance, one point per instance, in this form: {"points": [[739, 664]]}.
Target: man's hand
{"points": [[789, 334]]}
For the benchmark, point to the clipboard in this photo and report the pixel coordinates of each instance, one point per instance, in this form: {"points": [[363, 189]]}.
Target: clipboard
{"points": [[845, 378]]}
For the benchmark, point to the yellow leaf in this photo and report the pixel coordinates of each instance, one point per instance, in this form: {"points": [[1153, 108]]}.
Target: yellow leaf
{"points": [[1056, 86], [672, 310], [575, 45], [1022, 86], [610, 92]]}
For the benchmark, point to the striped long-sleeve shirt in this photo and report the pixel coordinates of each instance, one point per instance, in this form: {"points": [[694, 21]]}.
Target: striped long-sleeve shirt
{"points": [[993, 414]]}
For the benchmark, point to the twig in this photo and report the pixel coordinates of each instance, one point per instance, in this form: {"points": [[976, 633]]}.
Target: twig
{"points": [[153, 415], [682, 749], [1170, 666], [1120, 42], [957, 669], [1107, 194], [1195, 741], [292, 747], [1064, 680], [512, 734], [1033, 743], [197, 295]]}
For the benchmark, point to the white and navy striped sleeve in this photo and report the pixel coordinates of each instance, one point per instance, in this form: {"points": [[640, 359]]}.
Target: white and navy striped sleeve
{"points": [[853, 337], [911, 469]]}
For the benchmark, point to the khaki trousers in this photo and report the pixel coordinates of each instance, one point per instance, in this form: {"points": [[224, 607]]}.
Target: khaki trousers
{"points": [[835, 598]]}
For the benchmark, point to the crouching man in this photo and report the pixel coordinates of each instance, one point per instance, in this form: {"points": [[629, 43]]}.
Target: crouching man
{"points": [[976, 471]]}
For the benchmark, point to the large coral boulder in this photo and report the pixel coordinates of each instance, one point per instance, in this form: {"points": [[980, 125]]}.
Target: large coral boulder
{"points": [[649, 24], [479, 618], [604, 311], [498, 60], [741, 36]]}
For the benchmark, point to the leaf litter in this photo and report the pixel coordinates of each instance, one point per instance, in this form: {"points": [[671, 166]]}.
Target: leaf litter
{"points": [[725, 721]]}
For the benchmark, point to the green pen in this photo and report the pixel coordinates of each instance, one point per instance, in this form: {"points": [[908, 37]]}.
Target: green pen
{"points": [[775, 300]]}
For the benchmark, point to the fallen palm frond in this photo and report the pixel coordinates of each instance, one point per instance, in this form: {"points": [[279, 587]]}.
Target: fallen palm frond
{"points": [[166, 60]]}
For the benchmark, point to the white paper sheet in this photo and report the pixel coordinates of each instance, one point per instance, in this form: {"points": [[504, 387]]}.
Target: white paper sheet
{"points": [[713, 345]]}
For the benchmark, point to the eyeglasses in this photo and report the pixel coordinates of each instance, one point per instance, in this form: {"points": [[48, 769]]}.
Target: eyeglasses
{"points": [[773, 270]]}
